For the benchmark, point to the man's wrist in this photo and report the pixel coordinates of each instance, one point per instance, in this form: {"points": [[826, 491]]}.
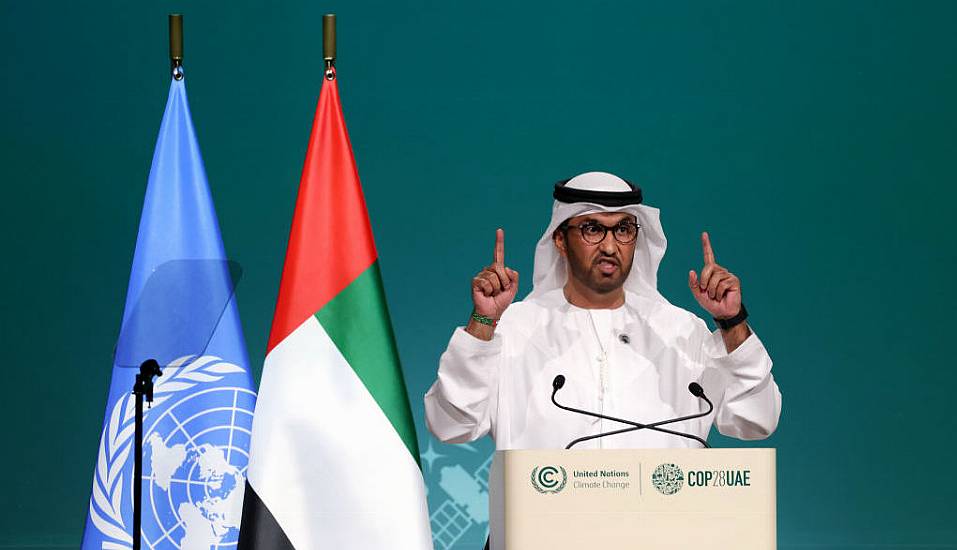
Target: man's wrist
{"points": [[735, 336], [483, 329], [484, 319], [731, 322]]}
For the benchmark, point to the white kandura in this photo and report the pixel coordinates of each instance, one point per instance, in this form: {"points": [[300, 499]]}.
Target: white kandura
{"points": [[503, 387]]}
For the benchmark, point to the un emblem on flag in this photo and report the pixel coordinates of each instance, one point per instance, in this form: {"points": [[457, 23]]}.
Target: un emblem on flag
{"points": [[195, 453], [195, 466]]}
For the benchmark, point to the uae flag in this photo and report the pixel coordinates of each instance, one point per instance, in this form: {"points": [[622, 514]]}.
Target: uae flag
{"points": [[334, 461]]}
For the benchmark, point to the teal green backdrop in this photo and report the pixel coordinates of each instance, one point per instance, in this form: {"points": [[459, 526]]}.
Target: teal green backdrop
{"points": [[815, 140]]}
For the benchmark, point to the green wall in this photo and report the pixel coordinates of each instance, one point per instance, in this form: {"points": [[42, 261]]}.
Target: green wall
{"points": [[815, 140]]}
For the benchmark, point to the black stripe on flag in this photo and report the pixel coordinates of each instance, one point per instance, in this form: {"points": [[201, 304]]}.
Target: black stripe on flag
{"points": [[259, 530]]}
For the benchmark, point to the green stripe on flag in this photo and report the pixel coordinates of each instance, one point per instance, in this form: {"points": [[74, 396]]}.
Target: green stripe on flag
{"points": [[357, 320]]}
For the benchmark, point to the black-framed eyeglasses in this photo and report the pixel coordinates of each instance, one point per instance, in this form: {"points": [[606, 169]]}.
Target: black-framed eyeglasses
{"points": [[593, 232]]}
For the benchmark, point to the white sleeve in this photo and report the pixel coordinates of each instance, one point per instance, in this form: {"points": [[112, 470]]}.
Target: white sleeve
{"points": [[747, 400], [460, 404]]}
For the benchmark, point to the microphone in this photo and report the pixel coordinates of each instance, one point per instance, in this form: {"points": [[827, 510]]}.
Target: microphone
{"points": [[559, 381], [695, 390]]}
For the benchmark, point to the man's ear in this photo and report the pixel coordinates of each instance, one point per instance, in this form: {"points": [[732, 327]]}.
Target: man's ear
{"points": [[558, 237]]}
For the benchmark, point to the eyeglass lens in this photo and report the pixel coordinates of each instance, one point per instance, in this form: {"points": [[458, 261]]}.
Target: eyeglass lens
{"points": [[624, 233]]}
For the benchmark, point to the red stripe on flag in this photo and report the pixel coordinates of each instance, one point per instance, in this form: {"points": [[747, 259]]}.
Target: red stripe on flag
{"points": [[330, 243]]}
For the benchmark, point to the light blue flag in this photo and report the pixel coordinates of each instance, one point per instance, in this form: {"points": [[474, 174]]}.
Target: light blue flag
{"points": [[181, 311]]}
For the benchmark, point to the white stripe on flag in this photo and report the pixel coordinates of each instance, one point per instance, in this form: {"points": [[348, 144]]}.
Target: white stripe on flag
{"points": [[325, 459]]}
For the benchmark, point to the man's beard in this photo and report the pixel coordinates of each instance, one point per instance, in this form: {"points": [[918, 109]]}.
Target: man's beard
{"points": [[591, 277]]}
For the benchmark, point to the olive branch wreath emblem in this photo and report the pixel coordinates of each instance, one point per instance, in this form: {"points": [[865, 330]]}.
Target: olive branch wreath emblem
{"points": [[116, 442], [537, 485]]}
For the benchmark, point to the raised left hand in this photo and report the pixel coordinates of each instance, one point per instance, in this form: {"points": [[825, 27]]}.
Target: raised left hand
{"points": [[717, 290]]}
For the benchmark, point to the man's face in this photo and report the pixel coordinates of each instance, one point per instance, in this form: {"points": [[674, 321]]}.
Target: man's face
{"points": [[601, 267]]}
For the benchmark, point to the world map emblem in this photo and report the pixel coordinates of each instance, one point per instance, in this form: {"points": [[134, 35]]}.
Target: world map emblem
{"points": [[196, 441], [668, 479]]}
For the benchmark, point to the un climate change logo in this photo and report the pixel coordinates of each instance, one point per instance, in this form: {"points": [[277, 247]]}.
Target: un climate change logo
{"points": [[545, 479], [668, 479]]}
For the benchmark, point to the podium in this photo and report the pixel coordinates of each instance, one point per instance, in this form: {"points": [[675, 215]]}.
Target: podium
{"points": [[633, 498]]}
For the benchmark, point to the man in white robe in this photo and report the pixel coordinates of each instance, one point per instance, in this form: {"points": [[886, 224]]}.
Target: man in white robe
{"points": [[595, 317]]}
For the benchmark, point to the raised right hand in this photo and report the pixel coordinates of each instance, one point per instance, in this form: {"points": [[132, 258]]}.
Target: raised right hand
{"points": [[494, 288]]}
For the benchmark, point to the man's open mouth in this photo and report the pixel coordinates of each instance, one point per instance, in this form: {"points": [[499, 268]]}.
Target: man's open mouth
{"points": [[607, 266]]}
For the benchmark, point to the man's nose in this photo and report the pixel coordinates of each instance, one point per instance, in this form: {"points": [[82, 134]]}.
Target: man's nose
{"points": [[608, 245]]}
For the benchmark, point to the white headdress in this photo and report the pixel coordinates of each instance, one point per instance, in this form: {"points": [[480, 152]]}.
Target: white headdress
{"points": [[601, 192]]}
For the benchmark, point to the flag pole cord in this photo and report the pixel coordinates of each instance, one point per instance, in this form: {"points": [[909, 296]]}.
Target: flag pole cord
{"points": [[329, 44], [176, 45]]}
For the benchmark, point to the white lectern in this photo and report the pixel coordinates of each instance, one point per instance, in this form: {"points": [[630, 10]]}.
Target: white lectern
{"points": [[634, 499]]}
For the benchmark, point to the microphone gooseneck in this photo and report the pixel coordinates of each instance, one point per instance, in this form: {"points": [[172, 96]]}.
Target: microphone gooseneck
{"points": [[694, 388]]}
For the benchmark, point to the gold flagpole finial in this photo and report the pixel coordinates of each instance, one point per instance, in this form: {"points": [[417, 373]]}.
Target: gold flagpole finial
{"points": [[176, 45], [329, 44]]}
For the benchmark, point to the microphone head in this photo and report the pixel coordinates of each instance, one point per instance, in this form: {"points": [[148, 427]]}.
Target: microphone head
{"points": [[696, 389], [558, 382]]}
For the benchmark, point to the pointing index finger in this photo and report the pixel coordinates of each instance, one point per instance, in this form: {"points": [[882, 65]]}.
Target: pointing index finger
{"points": [[499, 255], [706, 248]]}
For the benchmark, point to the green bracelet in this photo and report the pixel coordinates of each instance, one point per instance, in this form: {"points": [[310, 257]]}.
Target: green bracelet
{"points": [[484, 320]]}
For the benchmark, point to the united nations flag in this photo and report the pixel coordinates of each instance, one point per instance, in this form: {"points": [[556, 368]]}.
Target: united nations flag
{"points": [[180, 311]]}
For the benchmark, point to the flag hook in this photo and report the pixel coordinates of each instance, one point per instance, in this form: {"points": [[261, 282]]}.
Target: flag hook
{"points": [[176, 45], [329, 44]]}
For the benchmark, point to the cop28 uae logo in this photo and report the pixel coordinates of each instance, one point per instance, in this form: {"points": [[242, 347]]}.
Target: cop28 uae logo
{"points": [[545, 479], [668, 479]]}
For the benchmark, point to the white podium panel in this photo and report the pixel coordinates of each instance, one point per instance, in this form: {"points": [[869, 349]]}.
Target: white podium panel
{"points": [[633, 499]]}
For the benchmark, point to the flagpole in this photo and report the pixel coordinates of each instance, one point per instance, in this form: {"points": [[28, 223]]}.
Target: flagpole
{"points": [[329, 44], [176, 45], [149, 369]]}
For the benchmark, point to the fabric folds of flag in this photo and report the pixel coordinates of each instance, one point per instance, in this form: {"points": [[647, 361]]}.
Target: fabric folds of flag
{"points": [[334, 459], [180, 311]]}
